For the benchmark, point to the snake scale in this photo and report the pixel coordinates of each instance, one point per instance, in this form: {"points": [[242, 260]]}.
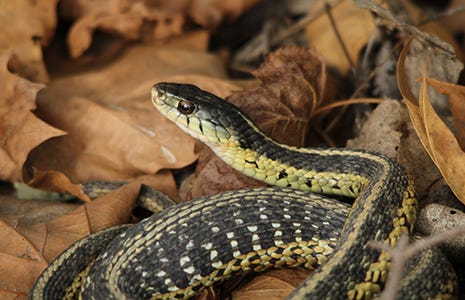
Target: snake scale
{"points": [[200, 243]]}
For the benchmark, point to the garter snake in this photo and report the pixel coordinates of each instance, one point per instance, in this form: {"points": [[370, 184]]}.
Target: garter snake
{"points": [[202, 242]]}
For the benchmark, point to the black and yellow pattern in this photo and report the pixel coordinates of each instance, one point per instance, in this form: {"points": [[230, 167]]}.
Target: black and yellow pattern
{"points": [[204, 241], [197, 244], [385, 205]]}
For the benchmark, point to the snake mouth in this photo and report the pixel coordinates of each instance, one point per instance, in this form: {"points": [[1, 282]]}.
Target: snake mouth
{"points": [[157, 94]]}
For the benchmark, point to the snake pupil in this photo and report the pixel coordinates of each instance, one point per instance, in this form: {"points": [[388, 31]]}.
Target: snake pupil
{"points": [[185, 107]]}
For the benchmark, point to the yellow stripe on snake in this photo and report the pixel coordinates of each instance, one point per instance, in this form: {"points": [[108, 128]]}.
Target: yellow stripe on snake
{"points": [[193, 245]]}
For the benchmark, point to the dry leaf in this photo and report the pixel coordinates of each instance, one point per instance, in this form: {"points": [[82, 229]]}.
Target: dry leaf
{"points": [[134, 20], [46, 240], [34, 25], [30, 249], [129, 19], [32, 211], [389, 20], [20, 262], [438, 140], [56, 182], [292, 83], [114, 131], [354, 26], [20, 129], [444, 33], [456, 94], [102, 144]]}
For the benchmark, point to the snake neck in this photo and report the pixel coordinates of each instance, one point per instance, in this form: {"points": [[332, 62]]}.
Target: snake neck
{"points": [[325, 171]]}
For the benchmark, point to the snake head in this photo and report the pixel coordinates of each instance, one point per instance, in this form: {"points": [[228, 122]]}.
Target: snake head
{"points": [[201, 114]]}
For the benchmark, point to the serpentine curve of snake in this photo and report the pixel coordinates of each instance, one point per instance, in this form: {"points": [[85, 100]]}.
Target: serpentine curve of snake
{"points": [[200, 243]]}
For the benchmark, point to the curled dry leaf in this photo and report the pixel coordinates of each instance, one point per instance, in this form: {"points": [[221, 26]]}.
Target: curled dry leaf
{"points": [[293, 80], [56, 182], [31, 248], [129, 19], [142, 20], [20, 129], [437, 139]]}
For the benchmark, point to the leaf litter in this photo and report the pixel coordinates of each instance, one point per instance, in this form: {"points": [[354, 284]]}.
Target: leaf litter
{"points": [[93, 119]]}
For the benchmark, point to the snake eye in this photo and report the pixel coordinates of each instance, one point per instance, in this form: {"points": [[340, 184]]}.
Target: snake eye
{"points": [[185, 107]]}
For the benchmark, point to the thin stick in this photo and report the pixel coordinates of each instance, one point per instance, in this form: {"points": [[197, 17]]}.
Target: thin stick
{"points": [[402, 253]]}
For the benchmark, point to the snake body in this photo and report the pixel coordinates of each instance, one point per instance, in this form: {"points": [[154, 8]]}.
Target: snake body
{"points": [[385, 204], [199, 243]]}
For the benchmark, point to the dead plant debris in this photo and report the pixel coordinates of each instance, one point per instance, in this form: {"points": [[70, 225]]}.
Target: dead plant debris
{"points": [[74, 105]]}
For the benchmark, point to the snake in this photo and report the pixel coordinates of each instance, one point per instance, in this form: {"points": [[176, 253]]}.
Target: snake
{"points": [[187, 247]]}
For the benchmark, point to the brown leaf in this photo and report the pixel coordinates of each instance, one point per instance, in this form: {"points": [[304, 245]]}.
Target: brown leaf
{"points": [[277, 284], [18, 258], [354, 26], [32, 211], [293, 80], [56, 182], [104, 145], [131, 20], [456, 95], [30, 249], [141, 20], [31, 20], [20, 129], [26, 27], [438, 140], [114, 131]]}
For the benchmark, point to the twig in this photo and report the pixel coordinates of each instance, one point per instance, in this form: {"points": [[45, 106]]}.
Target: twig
{"points": [[404, 251], [338, 36]]}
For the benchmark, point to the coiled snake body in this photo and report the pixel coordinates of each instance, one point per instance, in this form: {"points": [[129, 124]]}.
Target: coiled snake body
{"points": [[200, 243]]}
